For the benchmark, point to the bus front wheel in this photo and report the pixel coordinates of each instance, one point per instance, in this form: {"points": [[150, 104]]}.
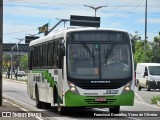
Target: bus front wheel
{"points": [[114, 110], [39, 104], [61, 110]]}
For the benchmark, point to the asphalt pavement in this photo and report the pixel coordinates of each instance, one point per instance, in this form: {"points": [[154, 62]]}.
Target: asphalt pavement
{"points": [[11, 111]]}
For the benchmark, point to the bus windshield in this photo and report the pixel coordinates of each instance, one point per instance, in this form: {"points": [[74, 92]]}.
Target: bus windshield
{"points": [[99, 61]]}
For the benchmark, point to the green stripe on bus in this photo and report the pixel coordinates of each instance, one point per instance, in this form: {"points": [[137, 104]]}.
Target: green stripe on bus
{"points": [[37, 71], [89, 101], [47, 76]]}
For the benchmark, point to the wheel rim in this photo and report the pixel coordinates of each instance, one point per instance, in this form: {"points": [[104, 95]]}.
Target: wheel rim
{"points": [[59, 108], [148, 87]]}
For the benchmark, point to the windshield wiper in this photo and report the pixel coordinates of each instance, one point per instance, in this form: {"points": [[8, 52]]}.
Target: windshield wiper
{"points": [[109, 52], [90, 52]]}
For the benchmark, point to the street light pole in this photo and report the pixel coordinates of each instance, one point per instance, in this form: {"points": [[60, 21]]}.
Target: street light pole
{"points": [[95, 8], [20, 39]]}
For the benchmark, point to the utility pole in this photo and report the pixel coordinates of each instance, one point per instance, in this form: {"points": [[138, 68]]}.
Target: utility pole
{"points": [[61, 20], [1, 51], [95, 8], [20, 39], [145, 41]]}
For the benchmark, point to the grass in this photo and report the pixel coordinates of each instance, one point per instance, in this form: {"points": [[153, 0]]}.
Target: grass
{"points": [[155, 99]]}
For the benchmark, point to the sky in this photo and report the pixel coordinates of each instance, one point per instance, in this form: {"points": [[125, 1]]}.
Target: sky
{"points": [[22, 17]]}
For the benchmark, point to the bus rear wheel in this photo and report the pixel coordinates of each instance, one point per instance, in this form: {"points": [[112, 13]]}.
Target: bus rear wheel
{"points": [[114, 110], [47, 105]]}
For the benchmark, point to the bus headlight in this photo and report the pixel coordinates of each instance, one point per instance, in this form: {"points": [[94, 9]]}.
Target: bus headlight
{"points": [[127, 87], [73, 88]]}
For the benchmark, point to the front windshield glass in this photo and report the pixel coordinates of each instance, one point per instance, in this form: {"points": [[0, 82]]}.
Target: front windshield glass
{"points": [[83, 61], [154, 70], [115, 61], [99, 61]]}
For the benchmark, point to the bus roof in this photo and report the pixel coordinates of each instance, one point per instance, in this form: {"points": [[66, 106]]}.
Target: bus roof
{"points": [[60, 33]]}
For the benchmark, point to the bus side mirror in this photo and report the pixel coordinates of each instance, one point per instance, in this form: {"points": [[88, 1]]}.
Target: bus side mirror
{"points": [[61, 49], [61, 55]]}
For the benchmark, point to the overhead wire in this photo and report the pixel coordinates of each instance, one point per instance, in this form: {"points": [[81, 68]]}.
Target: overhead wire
{"points": [[132, 10], [125, 5], [66, 4], [40, 2], [19, 31]]}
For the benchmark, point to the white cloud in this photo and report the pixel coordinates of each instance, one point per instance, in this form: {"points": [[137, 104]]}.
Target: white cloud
{"points": [[149, 21], [9, 28], [38, 10], [116, 25], [51, 13], [12, 31], [151, 36]]}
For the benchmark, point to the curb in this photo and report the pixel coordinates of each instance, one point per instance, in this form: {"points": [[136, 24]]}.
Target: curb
{"points": [[13, 80]]}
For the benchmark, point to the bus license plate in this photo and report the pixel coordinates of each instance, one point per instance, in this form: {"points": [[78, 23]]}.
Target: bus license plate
{"points": [[100, 99]]}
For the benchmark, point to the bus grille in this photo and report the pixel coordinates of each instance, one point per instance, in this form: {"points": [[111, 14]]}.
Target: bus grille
{"points": [[100, 86], [92, 101]]}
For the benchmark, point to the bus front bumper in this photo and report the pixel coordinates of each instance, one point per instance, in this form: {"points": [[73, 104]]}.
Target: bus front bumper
{"points": [[75, 100]]}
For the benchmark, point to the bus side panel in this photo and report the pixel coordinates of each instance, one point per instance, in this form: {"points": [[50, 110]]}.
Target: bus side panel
{"points": [[50, 88], [58, 78], [30, 86]]}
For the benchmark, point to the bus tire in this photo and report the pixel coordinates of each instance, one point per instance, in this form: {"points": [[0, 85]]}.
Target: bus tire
{"points": [[114, 110], [61, 110], [47, 105], [39, 104], [55, 95]]}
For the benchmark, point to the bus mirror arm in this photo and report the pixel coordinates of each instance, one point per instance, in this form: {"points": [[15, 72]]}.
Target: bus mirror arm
{"points": [[62, 49]]}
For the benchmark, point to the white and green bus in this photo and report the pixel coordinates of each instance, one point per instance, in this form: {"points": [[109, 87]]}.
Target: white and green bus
{"points": [[82, 67]]}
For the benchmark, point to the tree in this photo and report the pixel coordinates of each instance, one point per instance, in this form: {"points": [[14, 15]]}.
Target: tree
{"points": [[142, 54], [156, 49], [24, 62], [6, 61]]}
